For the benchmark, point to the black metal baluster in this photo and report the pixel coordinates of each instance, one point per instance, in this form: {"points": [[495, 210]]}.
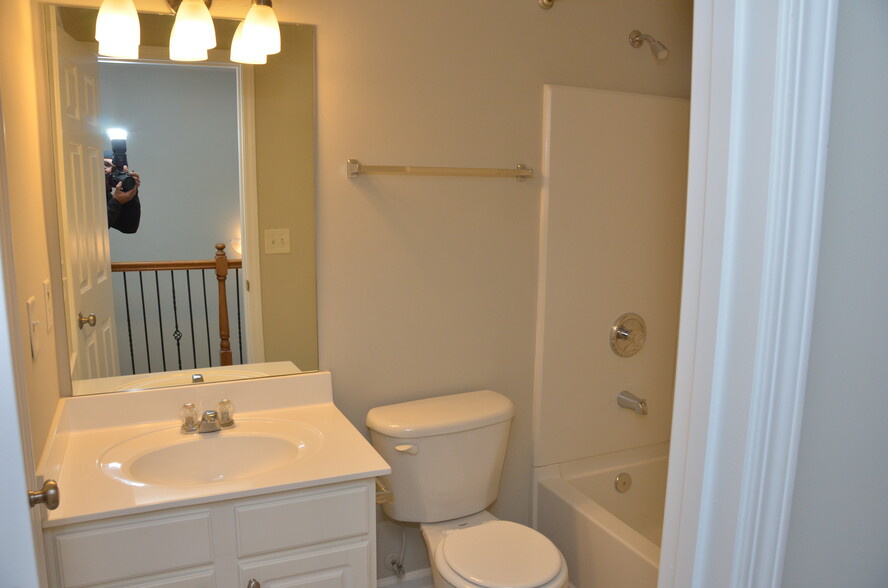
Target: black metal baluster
{"points": [[145, 322], [207, 316], [191, 318], [129, 325], [177, 334], [240, 338], [160, 320]]}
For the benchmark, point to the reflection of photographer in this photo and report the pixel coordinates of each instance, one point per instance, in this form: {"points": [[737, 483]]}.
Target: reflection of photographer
{"points": [[121, 190]]}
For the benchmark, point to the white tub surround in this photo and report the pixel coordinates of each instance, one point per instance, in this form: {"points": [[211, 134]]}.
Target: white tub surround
{"points": [[611, 226], [88, 426]]}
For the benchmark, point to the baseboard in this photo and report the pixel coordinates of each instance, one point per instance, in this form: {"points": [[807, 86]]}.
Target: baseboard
{"points": [[415, 579]]}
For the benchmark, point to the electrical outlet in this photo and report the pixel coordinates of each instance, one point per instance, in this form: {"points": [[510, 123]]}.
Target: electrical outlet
{"points": [[277, 241], [47, 304]]}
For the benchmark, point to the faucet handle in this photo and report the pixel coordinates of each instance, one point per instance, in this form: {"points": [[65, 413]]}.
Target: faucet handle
{"points": [[226, 413], [188, 416]]}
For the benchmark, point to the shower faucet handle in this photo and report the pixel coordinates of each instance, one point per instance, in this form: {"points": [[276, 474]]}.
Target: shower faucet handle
{"points": [[629, 400]]}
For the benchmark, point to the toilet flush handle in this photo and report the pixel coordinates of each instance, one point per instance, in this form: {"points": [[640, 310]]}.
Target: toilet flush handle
{"points": [[411, 449]]}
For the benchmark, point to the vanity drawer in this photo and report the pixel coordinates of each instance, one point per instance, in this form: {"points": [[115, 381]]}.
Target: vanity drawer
{"points": [[134, 549], [303, 519]]}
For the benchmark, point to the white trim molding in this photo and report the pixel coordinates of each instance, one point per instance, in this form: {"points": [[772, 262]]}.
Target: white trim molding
{"points": [[760, 114]]}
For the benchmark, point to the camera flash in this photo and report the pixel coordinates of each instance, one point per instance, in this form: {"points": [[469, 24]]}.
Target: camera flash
{"points": [[115, 134]]}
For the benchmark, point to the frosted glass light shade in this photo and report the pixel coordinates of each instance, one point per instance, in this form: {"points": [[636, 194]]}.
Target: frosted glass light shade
{"points": [[241, 52], [118, 23], [261, 30], [183, 50], [193, 26], [118, 50]]}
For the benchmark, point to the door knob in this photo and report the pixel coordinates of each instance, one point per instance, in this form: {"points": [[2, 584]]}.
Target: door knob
{"points": [[48, 495], [254, 584], [86, 320]]}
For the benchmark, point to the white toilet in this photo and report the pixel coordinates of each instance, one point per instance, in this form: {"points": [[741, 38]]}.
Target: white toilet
{"points": [[446, 455]]}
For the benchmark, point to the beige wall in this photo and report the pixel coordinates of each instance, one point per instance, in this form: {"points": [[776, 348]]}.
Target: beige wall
{"points": [[25, 128], [285, 119], [428, 285]]}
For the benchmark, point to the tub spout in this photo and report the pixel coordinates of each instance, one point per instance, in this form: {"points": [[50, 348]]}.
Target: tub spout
{"points": [[630, 400]]}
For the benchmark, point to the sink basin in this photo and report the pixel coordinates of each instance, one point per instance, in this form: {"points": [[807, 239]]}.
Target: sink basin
{"points": [[168, 457]]}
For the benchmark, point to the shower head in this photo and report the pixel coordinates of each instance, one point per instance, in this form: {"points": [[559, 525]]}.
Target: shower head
{"points": [[636, 38]]}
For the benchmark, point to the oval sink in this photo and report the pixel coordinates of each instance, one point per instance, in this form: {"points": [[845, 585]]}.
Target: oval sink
{"points": [[169, 457]]}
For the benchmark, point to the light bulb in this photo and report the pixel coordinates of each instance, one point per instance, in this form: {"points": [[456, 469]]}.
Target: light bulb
{"points": [[117, 24], [193, 32], [241, 52], [119, 50], [183, 48], [261, 30]]}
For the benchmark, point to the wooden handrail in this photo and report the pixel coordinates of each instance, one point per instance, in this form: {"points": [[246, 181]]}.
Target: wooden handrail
{"points": [[220, 263], [148, 266]]}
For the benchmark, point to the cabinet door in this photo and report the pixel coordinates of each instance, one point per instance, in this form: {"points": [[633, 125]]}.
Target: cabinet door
{"points": [[342, 566], [95, 553]]}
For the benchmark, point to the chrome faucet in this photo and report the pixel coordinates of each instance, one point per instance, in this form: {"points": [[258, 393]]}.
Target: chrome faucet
{"points": [[209, 422], [630, 400]]}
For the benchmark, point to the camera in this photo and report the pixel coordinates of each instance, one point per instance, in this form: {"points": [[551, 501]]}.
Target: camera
{"points": [[118, 161]]}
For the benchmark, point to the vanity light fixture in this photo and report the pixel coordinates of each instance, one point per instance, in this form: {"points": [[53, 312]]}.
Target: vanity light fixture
{"points": [[118, 50], [117, 29], [261, 30], [193, 32]]}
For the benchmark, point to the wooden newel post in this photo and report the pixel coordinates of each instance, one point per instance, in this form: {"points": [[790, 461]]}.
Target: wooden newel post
{"points": [[221, 276]]}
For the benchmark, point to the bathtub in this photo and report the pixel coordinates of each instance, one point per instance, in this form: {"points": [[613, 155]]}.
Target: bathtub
{"points": [[610, 539]]}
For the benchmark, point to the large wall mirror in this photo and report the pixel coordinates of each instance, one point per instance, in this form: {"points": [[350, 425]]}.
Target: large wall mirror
{"points": [[224, 230]]}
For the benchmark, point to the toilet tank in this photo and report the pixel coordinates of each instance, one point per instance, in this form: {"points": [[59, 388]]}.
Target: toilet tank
{"points": [[446, 453]]}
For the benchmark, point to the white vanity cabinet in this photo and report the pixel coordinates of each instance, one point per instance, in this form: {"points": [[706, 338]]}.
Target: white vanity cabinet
{"points": [[321, 537]]}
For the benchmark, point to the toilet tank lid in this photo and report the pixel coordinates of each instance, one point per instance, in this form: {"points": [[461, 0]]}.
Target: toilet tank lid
{"points": [[441, 415]]}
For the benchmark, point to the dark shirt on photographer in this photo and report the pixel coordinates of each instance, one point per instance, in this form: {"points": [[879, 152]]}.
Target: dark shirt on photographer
{"points": [[123, 217]]}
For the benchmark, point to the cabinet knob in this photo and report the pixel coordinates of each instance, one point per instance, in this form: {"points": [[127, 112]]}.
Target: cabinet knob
{"points": [[254, 584]]}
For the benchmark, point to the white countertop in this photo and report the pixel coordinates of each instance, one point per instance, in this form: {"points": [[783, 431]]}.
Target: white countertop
{"points": [[87, 493]]}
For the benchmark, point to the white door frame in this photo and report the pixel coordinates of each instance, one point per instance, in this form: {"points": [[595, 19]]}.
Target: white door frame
{"points": [[762, 73]]}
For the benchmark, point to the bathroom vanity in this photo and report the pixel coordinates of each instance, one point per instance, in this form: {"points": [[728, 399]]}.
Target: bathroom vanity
{"points": [[284, 497]]}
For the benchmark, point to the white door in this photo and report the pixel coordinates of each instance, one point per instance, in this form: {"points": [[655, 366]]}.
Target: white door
{"points": [[83, 210]]}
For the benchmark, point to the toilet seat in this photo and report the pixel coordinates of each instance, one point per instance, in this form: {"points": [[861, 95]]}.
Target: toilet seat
{"points": [[499, 554]]}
